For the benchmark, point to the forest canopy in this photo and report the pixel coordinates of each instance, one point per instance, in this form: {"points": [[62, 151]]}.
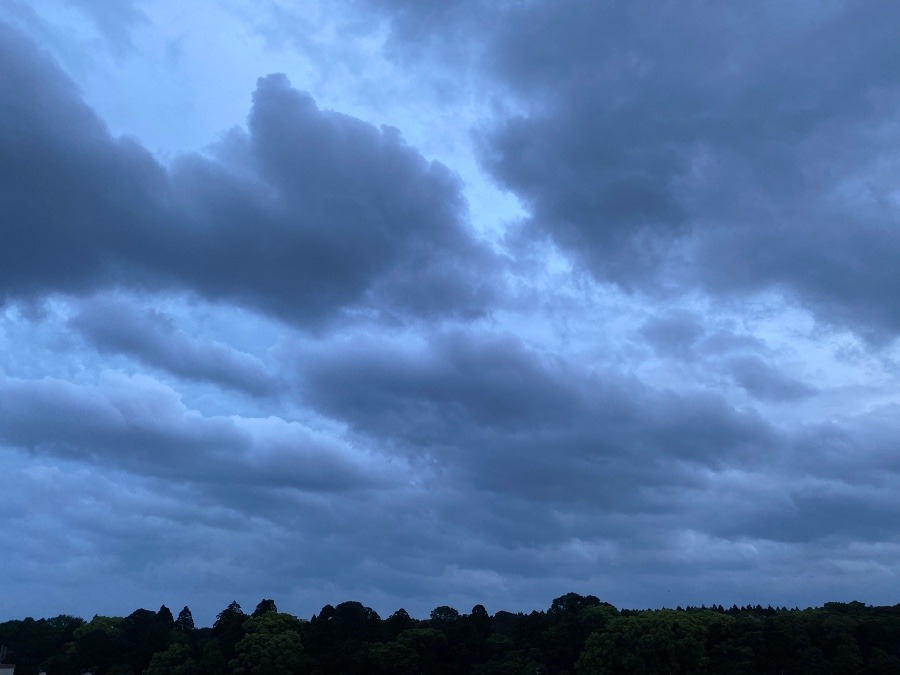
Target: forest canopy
{"points": [[576, 634]]}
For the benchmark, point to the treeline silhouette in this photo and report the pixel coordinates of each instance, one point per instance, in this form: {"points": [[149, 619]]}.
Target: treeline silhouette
{"points": [[577, 634]]}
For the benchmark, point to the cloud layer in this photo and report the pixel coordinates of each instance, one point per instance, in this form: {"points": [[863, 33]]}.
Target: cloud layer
{"points": [[736, 148], [291, 366]]}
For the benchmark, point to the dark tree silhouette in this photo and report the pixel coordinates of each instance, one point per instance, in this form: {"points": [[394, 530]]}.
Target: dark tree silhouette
{"points": [[264, 607], [578, 634], [185, 621], [164, 616], [444, 614], [229, 629]]}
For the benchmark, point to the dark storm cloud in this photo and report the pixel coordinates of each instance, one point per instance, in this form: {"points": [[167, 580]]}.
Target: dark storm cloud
{"points": [[306, 213], [602, 141], [116, 325], [738, 147], [501, 417], [73, 199], [332, 209]]}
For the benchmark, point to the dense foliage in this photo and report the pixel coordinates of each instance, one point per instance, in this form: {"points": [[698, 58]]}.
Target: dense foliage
{"points": [[577, 634]]}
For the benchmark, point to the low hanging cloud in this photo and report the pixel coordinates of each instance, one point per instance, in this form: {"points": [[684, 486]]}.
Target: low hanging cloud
{"points": [[305, 214]]}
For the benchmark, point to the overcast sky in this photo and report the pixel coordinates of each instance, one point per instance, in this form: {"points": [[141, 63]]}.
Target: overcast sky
{"points": [[419, 303]]}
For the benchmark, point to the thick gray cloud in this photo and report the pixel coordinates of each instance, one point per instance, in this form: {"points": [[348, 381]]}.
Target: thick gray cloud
{"points": [[306, 213], [312, 210], [471, 463], [74, 199], [739, 147]]}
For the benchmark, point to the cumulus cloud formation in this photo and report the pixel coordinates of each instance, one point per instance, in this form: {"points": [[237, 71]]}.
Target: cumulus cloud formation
{"points": [[754, 137], [305, 214], [317, 361]]}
